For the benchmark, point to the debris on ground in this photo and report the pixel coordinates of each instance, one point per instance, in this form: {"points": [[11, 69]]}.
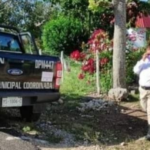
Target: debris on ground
{"points": [[95, 104], [50, 130]]}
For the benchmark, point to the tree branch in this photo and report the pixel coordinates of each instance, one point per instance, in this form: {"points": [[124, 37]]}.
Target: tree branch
{"points": [[38, 24]]}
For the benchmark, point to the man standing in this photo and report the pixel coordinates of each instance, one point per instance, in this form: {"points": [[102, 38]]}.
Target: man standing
{"points": [[142, 68]]}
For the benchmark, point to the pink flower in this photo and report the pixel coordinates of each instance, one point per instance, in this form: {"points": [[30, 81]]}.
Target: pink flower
{"points": [[89, 66], [132, 37], [99, 32], [103, 61], [85, 68], [81, 76], [90, 61], [75, 55], [82, 56]]}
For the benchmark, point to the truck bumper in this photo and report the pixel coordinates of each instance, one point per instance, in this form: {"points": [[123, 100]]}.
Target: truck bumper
{"points": [[32, 98], [48, 97]]}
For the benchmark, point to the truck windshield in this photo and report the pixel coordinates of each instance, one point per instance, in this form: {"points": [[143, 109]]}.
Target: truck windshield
{"points": [[9, 43]]}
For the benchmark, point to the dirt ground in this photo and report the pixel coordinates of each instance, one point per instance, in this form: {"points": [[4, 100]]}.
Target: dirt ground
{"points": [[118, 126], [65, 127]]}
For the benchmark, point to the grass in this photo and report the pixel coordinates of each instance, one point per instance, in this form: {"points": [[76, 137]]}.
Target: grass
{"points": [[74, 86]]}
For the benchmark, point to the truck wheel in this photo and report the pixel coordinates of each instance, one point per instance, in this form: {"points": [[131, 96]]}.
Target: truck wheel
{"points": [[27, 113]]}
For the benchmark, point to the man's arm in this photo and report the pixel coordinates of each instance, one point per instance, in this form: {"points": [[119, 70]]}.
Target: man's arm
{"points": [[138, 67]]}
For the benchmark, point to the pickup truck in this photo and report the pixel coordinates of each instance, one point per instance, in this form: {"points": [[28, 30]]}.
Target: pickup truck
{"points": [[28, 79]]}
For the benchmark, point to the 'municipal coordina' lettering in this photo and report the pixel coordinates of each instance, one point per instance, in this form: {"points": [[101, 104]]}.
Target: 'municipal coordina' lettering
{"points": [[37, 85], [26, 85], [44, 64], [2, 61], [10, 85]]}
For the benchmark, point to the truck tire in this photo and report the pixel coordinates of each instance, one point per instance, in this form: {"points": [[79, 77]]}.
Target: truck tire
{"points": [[27, 114]]}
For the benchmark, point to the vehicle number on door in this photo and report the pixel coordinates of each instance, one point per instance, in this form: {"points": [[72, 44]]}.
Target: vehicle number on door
{"points": [[11, 101]]}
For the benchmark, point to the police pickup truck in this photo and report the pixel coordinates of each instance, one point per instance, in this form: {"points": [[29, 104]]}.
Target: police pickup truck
{"points": [[28, 80]]}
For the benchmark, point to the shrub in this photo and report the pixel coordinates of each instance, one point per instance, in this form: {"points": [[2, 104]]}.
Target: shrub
{"points": [[98, 41], [63, 34]]}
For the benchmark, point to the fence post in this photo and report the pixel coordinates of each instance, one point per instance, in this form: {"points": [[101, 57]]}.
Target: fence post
{"points": [[62, 62], [97, 72]]}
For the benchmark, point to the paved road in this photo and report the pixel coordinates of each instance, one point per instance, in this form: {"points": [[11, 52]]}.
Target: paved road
{"points": [[10, 137], [9, 142]]}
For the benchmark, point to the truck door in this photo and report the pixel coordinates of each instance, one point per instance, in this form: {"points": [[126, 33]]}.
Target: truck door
{"points": [[14, 68]]}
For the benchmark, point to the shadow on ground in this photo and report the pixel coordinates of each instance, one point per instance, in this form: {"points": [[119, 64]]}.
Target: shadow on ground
{"points": [[9, 121], [111, 125]]}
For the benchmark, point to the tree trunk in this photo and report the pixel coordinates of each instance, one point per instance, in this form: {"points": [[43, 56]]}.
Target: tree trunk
{"points": [[119, 72]]}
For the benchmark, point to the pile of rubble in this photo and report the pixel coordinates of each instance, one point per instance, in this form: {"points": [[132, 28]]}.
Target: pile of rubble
{"points": [[49, 129], [95, 104]]}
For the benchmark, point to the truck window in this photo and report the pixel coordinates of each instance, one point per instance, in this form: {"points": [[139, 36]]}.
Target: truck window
{"points": [[28, 45], [9, 43]]}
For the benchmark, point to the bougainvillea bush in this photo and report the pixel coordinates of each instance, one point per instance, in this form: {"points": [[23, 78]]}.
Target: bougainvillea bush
{"points": [[99, 40]]}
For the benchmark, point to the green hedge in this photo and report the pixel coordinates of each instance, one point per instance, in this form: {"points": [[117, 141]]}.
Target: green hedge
{"points": [[63, 34]]}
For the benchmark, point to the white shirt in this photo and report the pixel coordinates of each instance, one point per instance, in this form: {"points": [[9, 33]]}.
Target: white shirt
{"points": [[142, 68]]}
